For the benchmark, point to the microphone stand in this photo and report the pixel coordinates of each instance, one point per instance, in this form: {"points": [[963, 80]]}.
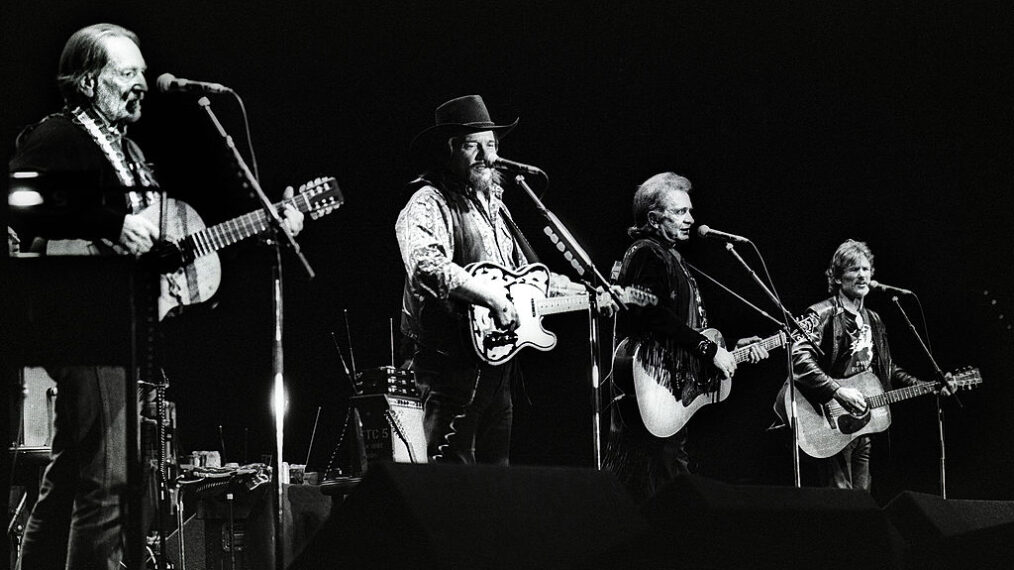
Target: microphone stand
{"points": [[789, 321], [590, 276], [277, 361], [941, 381]]}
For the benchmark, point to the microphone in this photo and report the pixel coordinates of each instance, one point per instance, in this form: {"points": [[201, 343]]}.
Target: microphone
{"points": [[511, 166], [167, 83], [874, 284], [706, 232]]}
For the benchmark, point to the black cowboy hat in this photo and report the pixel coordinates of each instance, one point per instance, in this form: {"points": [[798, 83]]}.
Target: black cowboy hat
{"points": [[457, 117]]}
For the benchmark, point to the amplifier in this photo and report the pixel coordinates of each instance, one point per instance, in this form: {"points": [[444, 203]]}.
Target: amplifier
{"points": [[387, 380], [392, 428], [37, 410]]}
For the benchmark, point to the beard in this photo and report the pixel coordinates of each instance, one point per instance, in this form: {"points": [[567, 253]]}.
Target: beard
{"points": [[116, 109], [483, 179]]}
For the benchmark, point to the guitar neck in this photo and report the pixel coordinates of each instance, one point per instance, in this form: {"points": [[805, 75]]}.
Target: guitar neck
{"points": [[564, 304], [216, 237], [770, 343], [900, 394]]}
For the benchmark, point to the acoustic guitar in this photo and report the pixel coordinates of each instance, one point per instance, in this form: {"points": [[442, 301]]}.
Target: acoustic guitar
{"points": [[665, 408], [825, 429], [188, 249]]}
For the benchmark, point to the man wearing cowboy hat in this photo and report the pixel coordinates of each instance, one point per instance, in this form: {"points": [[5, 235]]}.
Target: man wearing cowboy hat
{"points": [[456, 217]]}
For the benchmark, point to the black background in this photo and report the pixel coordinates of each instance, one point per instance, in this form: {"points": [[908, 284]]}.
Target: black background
{"points": [[800, 125]]}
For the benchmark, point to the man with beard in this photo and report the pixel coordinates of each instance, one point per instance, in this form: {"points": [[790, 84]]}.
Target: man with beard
{"points": [[76, 522], [455, 217]]}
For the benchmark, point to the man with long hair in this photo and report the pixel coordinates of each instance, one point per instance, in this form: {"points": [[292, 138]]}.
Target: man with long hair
{"points": [[76, 523], [456, 216]]}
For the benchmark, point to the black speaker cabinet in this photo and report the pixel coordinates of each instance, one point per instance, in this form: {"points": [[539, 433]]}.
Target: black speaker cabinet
{"points": [[442, 516], [701, 523], [954, 533]]}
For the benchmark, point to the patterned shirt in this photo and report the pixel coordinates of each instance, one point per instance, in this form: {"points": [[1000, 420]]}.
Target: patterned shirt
{"points": [[426, 239], [858, 343]]}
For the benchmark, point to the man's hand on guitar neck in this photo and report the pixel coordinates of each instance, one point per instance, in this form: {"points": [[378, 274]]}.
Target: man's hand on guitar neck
{"points": [[292, 217], [947, 387], [138, 234], [756, 352]]}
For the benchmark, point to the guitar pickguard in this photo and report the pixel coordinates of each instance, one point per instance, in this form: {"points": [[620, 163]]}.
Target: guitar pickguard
{"points": [[496, 345], [849, 424]]}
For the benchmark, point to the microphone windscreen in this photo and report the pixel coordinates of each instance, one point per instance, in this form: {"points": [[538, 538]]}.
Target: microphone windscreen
{"points": [[165, 82], [703, 230]]}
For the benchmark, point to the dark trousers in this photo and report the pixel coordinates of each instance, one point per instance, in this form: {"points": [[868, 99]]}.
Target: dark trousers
{"points": [[642, 462], [467, 408], [850, 467], [76, 522]]}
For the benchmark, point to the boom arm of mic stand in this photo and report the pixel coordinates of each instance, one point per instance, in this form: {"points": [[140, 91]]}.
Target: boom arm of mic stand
{"points": [[565, 242], [735, 295], [941, 378], [790, 322], [251, 180]]}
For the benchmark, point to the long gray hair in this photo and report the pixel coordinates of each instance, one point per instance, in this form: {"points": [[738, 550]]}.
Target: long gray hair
{"points": [[85, 55]]}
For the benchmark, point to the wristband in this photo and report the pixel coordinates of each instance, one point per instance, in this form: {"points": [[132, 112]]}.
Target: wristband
{"points": [[707, 348]]}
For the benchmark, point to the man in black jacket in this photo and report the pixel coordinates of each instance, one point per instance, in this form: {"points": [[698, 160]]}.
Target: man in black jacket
{"points": [[853, 340], [668, 334], [76, 522]]}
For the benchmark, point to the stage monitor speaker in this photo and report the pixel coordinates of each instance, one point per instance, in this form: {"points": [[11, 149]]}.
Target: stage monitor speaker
{"points": [[701, 523], [953, 533], [453, 516]]}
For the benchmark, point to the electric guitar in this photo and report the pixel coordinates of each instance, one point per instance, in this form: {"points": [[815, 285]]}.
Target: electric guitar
{"points": [[666, 408], [528, 289], [825, 429], [187, 255]]}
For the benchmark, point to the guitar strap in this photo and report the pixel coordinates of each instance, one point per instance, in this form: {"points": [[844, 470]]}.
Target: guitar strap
{"points": [[519, 238]]}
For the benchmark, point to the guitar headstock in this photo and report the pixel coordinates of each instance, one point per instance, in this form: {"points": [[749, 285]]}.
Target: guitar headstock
{"points": [[964, 378], [321, 195], [636, 295]]}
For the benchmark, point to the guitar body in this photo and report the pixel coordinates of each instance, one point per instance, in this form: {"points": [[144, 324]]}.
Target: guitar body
{"points": [[198, 279], [826, 429], [195, 282], [524, 288], [639, 364]]}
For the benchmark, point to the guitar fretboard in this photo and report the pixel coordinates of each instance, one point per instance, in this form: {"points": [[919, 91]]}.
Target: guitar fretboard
{"points": [[567, 303], [960, 381], [772, 342], [227, 233], [900, 394]]}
